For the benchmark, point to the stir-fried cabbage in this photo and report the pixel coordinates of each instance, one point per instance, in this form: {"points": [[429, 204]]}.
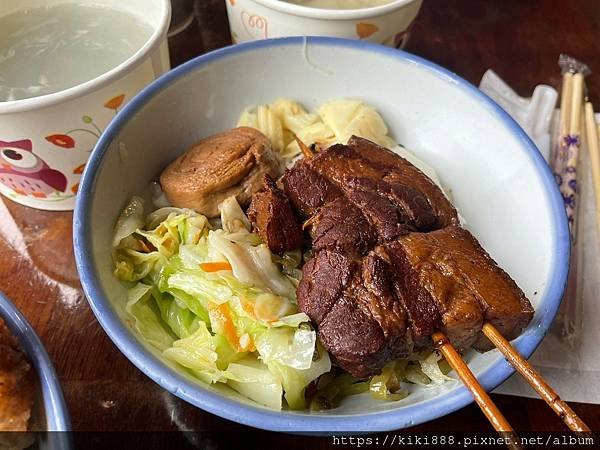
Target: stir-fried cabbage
{"points": [[217, 302], [423, 369]]}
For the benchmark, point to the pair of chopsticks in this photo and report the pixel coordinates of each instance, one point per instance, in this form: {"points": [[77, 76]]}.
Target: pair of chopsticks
{"points": [[565, 171], [576, 113], [481, 397], [572, 117]]}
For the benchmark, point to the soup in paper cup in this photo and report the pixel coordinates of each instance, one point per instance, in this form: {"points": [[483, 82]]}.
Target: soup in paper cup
{"points": [[381, 21], [67, 68]]}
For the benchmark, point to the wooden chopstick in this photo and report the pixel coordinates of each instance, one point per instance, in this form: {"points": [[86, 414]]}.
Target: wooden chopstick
{"points": [[535, 380], [565, 99], [593, 146], [576, 102], [483, 400]]}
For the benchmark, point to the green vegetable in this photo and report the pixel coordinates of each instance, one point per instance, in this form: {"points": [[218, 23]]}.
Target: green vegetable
{"points": [[387, 385], [146, 315], [332, 389], [240, 326], [198, 352]]}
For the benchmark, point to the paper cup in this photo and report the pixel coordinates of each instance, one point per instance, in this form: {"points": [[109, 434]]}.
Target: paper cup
{"points": [[387, 24], [45, 141]]}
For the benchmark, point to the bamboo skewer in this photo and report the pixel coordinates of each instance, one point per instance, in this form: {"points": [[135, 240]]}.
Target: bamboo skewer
{"points": [[483, 400], [307, 152], [534, 379]]}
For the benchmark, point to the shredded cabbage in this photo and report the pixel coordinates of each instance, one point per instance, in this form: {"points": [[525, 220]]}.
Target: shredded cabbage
{"points": [[147, 317], [332, 389], [430, 366], [131, 218], [217, 302], [424, 369]]}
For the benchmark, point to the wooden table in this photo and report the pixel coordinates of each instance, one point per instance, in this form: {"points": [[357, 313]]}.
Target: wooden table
{"points": [[521, 40]]}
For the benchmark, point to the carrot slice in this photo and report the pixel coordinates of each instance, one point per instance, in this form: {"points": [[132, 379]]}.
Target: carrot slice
{"points": [[223, 316], [215, 266]]}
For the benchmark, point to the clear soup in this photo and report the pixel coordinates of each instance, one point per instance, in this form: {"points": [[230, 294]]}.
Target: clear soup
{"points": [[48, 49]]}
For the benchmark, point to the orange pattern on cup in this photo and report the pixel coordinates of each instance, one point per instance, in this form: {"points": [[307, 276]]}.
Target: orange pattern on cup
{"points": [[364, 30], [115, 102]]}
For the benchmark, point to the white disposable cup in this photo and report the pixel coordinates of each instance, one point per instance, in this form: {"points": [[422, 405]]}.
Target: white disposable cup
{"points": [[55, 133], [387, 24]]}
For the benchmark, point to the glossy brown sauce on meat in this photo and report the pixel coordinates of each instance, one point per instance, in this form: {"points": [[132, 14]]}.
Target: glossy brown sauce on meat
{"points": [[271, 214], [391, 264]]}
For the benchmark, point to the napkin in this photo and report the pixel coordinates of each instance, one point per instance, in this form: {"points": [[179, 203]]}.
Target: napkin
{"points": [[533, 114], [572, 370]]}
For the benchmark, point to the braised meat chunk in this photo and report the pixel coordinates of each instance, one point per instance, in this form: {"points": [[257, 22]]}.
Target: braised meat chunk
{"points": [[502, 302], [391, 264], [434, 288], [226, 164], [272, 217], [392, 196], [360, 320]]}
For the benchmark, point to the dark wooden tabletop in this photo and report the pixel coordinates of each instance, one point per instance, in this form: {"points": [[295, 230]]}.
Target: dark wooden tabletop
{"points": [[520, 40]]}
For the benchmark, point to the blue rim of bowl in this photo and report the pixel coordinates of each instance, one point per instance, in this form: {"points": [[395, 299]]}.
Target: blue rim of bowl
{"points": [[288, 421], [57, 415]]}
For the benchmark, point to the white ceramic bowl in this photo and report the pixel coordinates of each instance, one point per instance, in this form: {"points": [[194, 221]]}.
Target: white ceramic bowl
{"points": [[47, 130], [388, 24], [499, 181]]}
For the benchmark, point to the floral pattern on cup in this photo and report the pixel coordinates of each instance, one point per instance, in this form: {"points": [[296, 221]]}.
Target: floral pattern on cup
{"points": [[67, 141], [26, 174]]}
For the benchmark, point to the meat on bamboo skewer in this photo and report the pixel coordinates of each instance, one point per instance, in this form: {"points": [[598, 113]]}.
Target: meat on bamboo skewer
{"points": [[453, 358], [522, 366]]}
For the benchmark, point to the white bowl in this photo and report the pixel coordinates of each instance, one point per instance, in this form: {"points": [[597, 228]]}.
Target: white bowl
{"points": [[499, 181], [388, 24], [48, 127]]}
